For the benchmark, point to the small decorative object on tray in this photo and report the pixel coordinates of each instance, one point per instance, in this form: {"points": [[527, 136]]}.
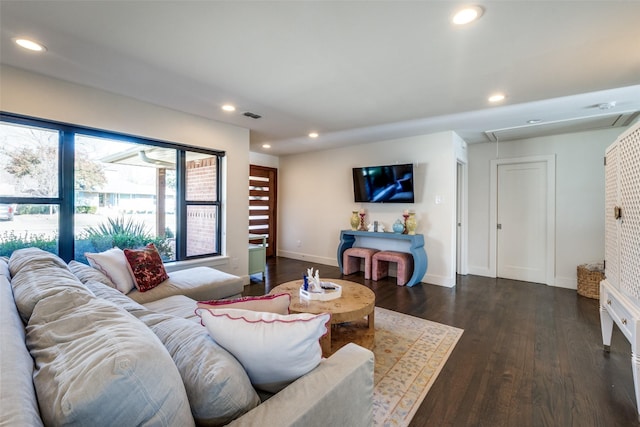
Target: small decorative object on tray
{"points": [[314, 289], [376, 227]]}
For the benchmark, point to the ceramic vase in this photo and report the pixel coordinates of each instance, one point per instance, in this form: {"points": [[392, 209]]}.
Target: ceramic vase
{"points": [[398, 227], [355, 220], [411, 224], [362, 226]]}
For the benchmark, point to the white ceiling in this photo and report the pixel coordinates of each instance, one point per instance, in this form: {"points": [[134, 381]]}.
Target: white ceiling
{"points": [[354, 71]]}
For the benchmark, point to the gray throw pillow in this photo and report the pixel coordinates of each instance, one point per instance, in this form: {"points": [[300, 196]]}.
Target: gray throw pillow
{"points": [[217, 386], [37, 274], [98, 365]]}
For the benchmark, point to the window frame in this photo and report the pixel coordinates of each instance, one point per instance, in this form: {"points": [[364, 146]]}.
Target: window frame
{"points": [[66, 181]]}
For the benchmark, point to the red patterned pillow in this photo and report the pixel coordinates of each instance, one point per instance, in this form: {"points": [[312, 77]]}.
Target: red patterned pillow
{"points": [[146, 267]]}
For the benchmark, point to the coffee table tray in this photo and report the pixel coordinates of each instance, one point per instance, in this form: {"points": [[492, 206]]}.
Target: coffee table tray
{"points": [[326, 295]]}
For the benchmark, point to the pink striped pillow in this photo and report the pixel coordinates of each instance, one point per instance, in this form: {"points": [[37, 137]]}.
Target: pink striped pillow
{"points": [[278, 303]]}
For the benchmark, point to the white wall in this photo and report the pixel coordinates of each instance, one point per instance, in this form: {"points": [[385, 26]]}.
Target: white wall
{"points": [[316, 199], [316, 194], [266, 160], [33, 95], [579, 197]]}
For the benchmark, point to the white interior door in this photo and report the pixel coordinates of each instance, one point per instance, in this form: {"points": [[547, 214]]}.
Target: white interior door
{"points": [[522, 221]]}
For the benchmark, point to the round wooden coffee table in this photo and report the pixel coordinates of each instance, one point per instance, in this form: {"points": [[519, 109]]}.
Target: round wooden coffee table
{"points": [[347, 313]]}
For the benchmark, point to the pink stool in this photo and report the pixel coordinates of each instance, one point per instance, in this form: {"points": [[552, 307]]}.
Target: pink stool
{"points": [[351, 261], [381, 262]]}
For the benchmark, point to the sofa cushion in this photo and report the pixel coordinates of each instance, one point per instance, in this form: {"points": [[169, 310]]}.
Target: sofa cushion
{"points": [[274, 349], [113, 264], [4, 268], [198, 283], [37, 274], [217, 386], [87, 273], [146, 267], [176, 305], [116, 297], [97, 364], [278, 303], [18, 404]]}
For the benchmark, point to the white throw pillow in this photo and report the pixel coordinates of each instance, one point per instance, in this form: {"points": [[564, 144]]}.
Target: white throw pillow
{"points": [[113, 264], [278, 303], [274, 349], [97, 365]]}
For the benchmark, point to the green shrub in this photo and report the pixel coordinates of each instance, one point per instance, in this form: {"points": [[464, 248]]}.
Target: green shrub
{"points": [[36, 210], [10, 241], [125, 234], [115, 232], [86, 209]]}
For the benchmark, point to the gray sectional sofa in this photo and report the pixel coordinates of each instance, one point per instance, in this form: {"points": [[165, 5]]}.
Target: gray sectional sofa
{"points": [[85, 354]]}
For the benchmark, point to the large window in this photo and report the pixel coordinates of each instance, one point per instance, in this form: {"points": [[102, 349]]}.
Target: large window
{"points": [[71, 190]]}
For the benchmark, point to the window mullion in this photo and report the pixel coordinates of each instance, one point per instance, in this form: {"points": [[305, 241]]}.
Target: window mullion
{"points": [[181, 208], [218, 207], [66, 180]]}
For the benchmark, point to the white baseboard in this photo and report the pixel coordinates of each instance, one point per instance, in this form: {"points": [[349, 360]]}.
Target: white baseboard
{"points": [[566, 282], [307, 257], [560, 282], [480, 271], [448, 282]]}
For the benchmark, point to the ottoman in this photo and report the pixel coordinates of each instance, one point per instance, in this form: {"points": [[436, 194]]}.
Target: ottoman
{"points": [[380, 265], [351, 261]]}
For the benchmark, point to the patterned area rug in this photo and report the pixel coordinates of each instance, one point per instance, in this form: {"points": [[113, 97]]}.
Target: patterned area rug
{"points": [[410, 353]]}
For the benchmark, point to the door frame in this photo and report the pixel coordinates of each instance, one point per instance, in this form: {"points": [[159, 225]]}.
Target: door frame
{"points": [[272, 240], [550, 161], [462, 237]]}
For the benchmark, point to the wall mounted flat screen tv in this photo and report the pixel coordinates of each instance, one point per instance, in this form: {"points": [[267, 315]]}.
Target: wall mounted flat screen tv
{"points": [[383, 184]]}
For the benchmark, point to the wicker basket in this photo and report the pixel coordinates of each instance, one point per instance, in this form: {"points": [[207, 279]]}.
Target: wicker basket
{"points": [[589, 277]]}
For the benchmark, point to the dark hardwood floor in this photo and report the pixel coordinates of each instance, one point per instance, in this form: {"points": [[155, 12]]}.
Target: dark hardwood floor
{"points": [[530, 355]]}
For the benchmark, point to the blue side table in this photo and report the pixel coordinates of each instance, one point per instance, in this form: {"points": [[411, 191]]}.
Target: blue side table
{"points": [[420, 262]]}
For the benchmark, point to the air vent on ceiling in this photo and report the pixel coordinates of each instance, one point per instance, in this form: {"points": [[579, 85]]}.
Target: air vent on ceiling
{"points": [[252, 115], [562, 126]]}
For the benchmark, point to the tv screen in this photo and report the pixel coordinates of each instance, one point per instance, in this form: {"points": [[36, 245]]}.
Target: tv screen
{"points": [[384, 184]]}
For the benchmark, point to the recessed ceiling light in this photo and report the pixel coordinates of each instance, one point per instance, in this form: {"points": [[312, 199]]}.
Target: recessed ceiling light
{"points": [[534, 121], [497, 97], [467, 15], [266, 145], [313, 135], [30, 45], [228, 107]]}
